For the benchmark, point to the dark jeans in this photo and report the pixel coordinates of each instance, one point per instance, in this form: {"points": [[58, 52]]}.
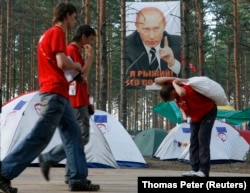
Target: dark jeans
{"points": [[200, 142], [57, 153]]}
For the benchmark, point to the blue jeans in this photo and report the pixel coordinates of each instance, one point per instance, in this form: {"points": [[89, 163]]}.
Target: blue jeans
{"points": [[200, 142], [56, 112], [57, 153]]}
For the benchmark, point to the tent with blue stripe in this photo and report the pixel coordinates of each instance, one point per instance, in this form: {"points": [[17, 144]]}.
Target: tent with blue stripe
{"points": [[228, 144], [123, 147]]}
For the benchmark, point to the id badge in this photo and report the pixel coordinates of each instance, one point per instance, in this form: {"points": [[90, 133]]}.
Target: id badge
{"points": [[72, 88]]}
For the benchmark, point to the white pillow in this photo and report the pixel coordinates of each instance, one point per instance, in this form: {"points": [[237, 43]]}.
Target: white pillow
{"points": [[209, 88]]}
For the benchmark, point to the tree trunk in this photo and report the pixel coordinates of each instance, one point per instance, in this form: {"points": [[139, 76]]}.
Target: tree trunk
{"points": [[110, 82], [85, 11], [200, 16], [185, 35], [123, 96], [21, 75], [103, 56], [8, 51], [97, 78], [237, 97]]}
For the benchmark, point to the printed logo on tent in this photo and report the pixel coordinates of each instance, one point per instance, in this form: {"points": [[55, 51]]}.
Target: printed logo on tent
{"points": [[38, 107], [222, 133], [180, 144], [185, 129], [101, 122]]}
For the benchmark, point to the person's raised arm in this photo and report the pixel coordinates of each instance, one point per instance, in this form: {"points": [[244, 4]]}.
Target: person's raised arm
{"points": [[88, 62], [161, 81]]}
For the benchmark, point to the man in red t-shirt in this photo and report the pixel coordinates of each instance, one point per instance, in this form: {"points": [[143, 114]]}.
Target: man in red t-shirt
{"points": [[56, 111], [202, 112], [79, 95], [83, 39]]}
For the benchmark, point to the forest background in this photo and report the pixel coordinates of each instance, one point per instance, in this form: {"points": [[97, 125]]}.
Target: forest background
{"points": [[215, 41]]}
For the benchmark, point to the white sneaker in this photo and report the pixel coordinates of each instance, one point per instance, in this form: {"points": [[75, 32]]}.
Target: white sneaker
{"points": [[199, 174], [189, 174]]}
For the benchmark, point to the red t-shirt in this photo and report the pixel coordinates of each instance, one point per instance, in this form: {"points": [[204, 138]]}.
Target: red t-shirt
{"points": [[51, 77], [194, 104], [82, 96]]}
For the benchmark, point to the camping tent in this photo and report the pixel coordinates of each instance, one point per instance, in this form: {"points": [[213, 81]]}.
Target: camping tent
{"points": [[149, 140], [234, 117], [123, 147], [19, 116], [174, 143], [227, 144]]}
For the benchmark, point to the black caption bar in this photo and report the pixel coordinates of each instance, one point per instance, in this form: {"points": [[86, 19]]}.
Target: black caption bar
{"points": [[192, 184]]}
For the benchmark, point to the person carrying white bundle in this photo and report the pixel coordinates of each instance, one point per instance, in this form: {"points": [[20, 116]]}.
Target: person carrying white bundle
{"points": [[201, 84], [202, 110]]}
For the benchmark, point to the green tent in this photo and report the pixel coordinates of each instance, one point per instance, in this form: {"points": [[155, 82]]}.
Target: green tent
{"points": [[234, 117], [149, 140]]}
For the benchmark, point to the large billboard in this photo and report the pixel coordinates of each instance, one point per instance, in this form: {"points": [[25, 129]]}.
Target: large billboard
{"points": [[153, 42]]}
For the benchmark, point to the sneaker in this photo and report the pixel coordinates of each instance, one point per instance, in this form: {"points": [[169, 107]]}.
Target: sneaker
{"points": [[199, 174], [45, 167], [5, 186], [189, 174], [84, 187]]}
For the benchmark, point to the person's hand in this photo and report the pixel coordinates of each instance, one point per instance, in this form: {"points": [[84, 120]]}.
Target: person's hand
{"points": [[162, 81], [88, 50], [80, 78], [166, 53], [78, 67]]}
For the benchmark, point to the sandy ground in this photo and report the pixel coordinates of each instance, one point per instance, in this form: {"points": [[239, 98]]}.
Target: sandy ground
{"points": [[238, 167]]}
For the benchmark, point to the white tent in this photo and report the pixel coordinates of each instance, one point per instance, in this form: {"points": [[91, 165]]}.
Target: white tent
{"points": [[227, 144], [123, 147], [174, 143], [19, 116]]}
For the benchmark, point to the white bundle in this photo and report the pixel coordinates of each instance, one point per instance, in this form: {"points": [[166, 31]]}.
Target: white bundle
{"points": [[209, 88]]}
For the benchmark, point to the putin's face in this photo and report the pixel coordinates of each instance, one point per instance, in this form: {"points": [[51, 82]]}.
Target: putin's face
{"points": [[150, 25]]}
